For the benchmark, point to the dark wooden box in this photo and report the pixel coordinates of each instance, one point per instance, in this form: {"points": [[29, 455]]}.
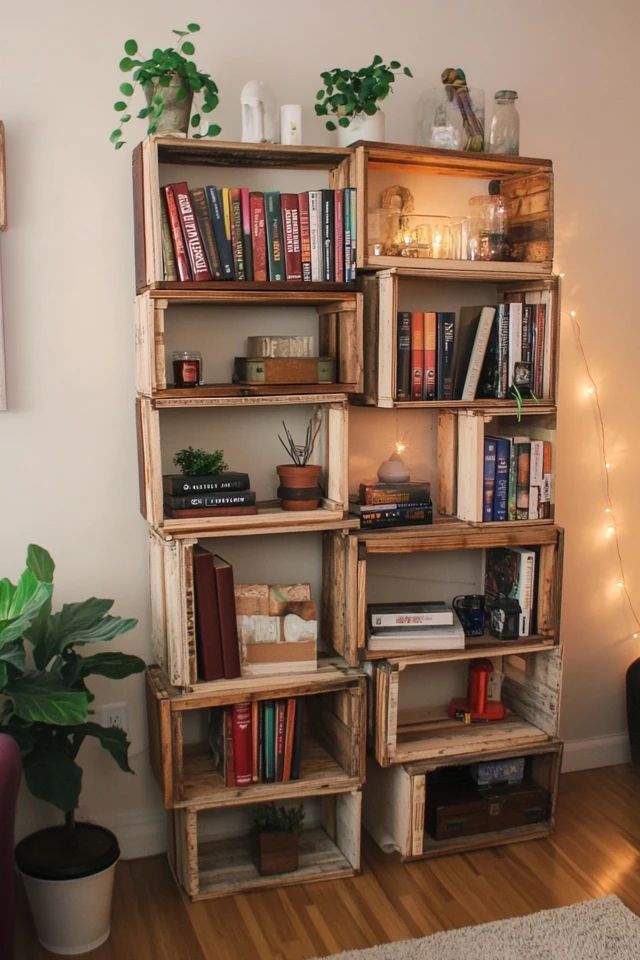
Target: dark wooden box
{"points": [[460, 810], [276, 852]]}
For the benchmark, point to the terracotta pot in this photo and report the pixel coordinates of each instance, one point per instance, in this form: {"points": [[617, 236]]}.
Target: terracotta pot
{"points": [[174, 119], [299, 489], [276, 852]]}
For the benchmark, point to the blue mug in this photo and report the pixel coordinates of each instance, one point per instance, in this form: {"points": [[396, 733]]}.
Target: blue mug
{"points": [[470, 610]]}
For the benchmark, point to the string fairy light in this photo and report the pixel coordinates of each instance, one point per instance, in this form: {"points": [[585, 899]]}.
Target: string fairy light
{"points": [[612, 527]]}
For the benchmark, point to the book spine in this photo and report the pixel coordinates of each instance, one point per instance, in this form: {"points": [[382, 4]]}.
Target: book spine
{"points": [[240, 498], [241, 734], [291, 236], [525, 590], [182, 260], [273, 224], [382, 620], [444, 359], [214, 199], [305, 236], [338, 235], [269, 741], [354, 230], [289, 734], [235, 226], [489, 375], [190, 513], [170, 269], [245, 217], [502, 359], [258, 236], [255, 734], [478, 353], [370, 496], [402, 514], [522, 481], [176, 485], [488, 478], [539, 355], [327, 237], [515, 338], [199, 201], [501, 494], [545, 493], [417, 355], [229, 759], [261, 741], [228, 625], [208, 640], [281, 709], [430, 354], [348, 253], [513, 481], [545, 311], [528, 321], [535, 478], [298, 737], [315, 234], [192, 239], [403, 366]]}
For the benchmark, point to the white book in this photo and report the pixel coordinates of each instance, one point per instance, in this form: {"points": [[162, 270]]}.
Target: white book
{"points": [[419, 638], [526, 583], [536, 477], [406, 616], [315, 233], [515, 339], [478, 351]]}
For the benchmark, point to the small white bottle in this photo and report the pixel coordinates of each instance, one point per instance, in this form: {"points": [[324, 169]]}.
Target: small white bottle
{"points": [[504, 133]]}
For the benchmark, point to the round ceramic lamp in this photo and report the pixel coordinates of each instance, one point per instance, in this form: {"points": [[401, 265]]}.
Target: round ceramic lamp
{"points": [[393, 470]]}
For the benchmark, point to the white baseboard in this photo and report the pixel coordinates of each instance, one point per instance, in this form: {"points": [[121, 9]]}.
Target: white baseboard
{"points": [[141, 833], [595, 752]]}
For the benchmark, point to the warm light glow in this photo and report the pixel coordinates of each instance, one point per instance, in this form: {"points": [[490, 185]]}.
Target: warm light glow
{"points": [[562, 275], [635, 635], [611, 530], [607, 465], [400, 447], [590, 391], [572, 313], [607, 509], [620, 584]]}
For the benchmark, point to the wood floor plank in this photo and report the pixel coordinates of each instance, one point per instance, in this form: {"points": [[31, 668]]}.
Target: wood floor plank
{"points": [[595, 851]]}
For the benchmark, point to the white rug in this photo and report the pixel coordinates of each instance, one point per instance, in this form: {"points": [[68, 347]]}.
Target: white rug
{"points": [[595, 930]]}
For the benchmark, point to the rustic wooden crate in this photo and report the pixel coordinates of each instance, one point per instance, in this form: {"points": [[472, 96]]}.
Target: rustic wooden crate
{"points": [[526, 182], [530, 691], [346, 556], [333, 748], [339, 335], [389, 291], [396, 801], [270, 518], [204, 157], [216, 868]]}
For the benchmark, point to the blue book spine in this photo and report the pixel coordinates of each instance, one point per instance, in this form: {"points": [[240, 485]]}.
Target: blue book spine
{"points": [[501, 490], [488, 478], [214, 200], [269, 742]]}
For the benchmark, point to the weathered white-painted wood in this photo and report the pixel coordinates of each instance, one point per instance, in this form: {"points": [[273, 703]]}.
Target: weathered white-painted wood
{"points": [[348, 820], [388, 309], [470, 466]]}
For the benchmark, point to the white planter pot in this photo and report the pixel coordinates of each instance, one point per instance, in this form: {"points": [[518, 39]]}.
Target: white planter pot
{"points": [[72, 916], [362, 127]]}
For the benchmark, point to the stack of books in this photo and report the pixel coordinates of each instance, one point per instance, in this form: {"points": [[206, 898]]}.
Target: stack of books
{"points": [[213, 495], [393, 504], [407, 627], [517, 479]]}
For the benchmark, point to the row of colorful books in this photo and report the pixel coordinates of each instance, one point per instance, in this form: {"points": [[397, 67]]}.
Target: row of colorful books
{"points": [[485, 352], [400, 504], [233, 233], [258, 742], [517, 479], [219, 495]]}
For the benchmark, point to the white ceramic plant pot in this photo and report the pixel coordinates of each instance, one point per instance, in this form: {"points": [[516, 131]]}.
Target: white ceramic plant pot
{"points": [[362, 127]]}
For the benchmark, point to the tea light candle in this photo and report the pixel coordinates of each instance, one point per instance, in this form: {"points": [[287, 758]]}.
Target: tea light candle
{"points": [[187, 367]]}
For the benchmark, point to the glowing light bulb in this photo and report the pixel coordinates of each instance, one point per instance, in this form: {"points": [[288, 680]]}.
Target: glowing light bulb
{"points": [[607, 465], [635, 635], [562, 275], [400, 447], [572, 313], [590, 391], [620, 584], [611, 530], [607, 509]]}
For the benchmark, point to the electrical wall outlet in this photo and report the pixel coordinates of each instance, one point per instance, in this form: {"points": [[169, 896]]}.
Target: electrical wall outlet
{"points": [[114, 715]]}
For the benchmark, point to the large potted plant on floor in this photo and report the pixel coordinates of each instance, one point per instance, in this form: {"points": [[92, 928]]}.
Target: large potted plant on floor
{"points": [[67, 869]]}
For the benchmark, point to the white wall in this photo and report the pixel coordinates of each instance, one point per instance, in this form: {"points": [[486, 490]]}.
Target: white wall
{"points": [[68, 478]]}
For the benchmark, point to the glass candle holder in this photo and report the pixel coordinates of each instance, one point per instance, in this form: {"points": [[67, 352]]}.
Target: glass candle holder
{"points": [[417, 235], [187, 368]]}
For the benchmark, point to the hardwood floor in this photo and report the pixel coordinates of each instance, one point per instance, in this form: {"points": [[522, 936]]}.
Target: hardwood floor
{"points": [[595, 851]]}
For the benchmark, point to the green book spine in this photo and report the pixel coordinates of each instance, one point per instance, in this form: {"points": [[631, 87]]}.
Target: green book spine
{"points": [[273, 224], [269, 766]]}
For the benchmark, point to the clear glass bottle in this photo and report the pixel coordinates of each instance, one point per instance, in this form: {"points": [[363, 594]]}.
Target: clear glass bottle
{"points": [[489, 225], [504, 133]]}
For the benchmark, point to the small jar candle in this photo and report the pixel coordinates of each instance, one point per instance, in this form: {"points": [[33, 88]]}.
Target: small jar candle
{"points": [[187, 367]]}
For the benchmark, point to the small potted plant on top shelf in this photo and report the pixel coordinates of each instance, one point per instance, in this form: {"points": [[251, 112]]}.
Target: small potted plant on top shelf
{"points": [[67, 869], [299, 480], [274, 834], [169, 80], [353, 97]]}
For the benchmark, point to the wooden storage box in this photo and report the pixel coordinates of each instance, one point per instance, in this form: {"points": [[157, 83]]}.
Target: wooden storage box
{"points": [[398, 804], [359, 568], [454, 812], [442, 182], [219, 323], [408, 289], [160, 160], [404, 731], [208, 862], [333, 746]]}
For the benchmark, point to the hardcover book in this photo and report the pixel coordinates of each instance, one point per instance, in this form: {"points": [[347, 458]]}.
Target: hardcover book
{"points": [[208, 638], [273, 223], [199, 201], [488, 478], [327, 222], [403, 376], [179, 248], [315, 234], [430, 356], [181, 485], [426, 614], [231, 498], [191, 232], [223, 245], [200, 513], [291, 236], [170, 270], [338, 235], [408, 491], [501, 486], [417, 355], [236, 234], [227, 614], [305, 235], [436, 637], [393, 514], [258, 236], [474, 327], [245, 214], [510, 574], [242, 743], [445, 339]]}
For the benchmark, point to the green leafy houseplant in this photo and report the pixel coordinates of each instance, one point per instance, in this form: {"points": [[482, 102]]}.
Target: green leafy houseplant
{"points": [[348, 93], [46, 702], [271, 819], [198, 462], [274, 838], [155, 75]]}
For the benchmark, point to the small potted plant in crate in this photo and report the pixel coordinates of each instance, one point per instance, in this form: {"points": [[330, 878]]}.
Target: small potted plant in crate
{"points": [[353, 97], [274, 833], [299, 480]]}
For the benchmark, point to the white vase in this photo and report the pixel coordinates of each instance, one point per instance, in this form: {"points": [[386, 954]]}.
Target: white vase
{"points": [[362, 127]]}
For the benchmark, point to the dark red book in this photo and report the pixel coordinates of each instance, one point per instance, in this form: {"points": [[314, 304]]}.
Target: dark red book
{"points": [[281, 714], [235, 223], [189, 513], [191, 232], [229, 760], [298, 737], [255, 741], [258, 236], [289, 733], [227, 615], [417, 355], [305, 235], [182, 260], [208, 640], [338, 198], [291, 236], [242, 746]]}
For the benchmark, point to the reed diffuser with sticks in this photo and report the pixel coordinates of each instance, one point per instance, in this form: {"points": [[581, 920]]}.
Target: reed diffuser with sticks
{"points": [[299, 487]]}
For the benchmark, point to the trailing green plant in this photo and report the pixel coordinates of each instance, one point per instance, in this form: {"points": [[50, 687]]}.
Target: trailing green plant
{"points": [[347, 93], [271, 819], [300, 453], [197, 462], [46, 704], [158, 70]]}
